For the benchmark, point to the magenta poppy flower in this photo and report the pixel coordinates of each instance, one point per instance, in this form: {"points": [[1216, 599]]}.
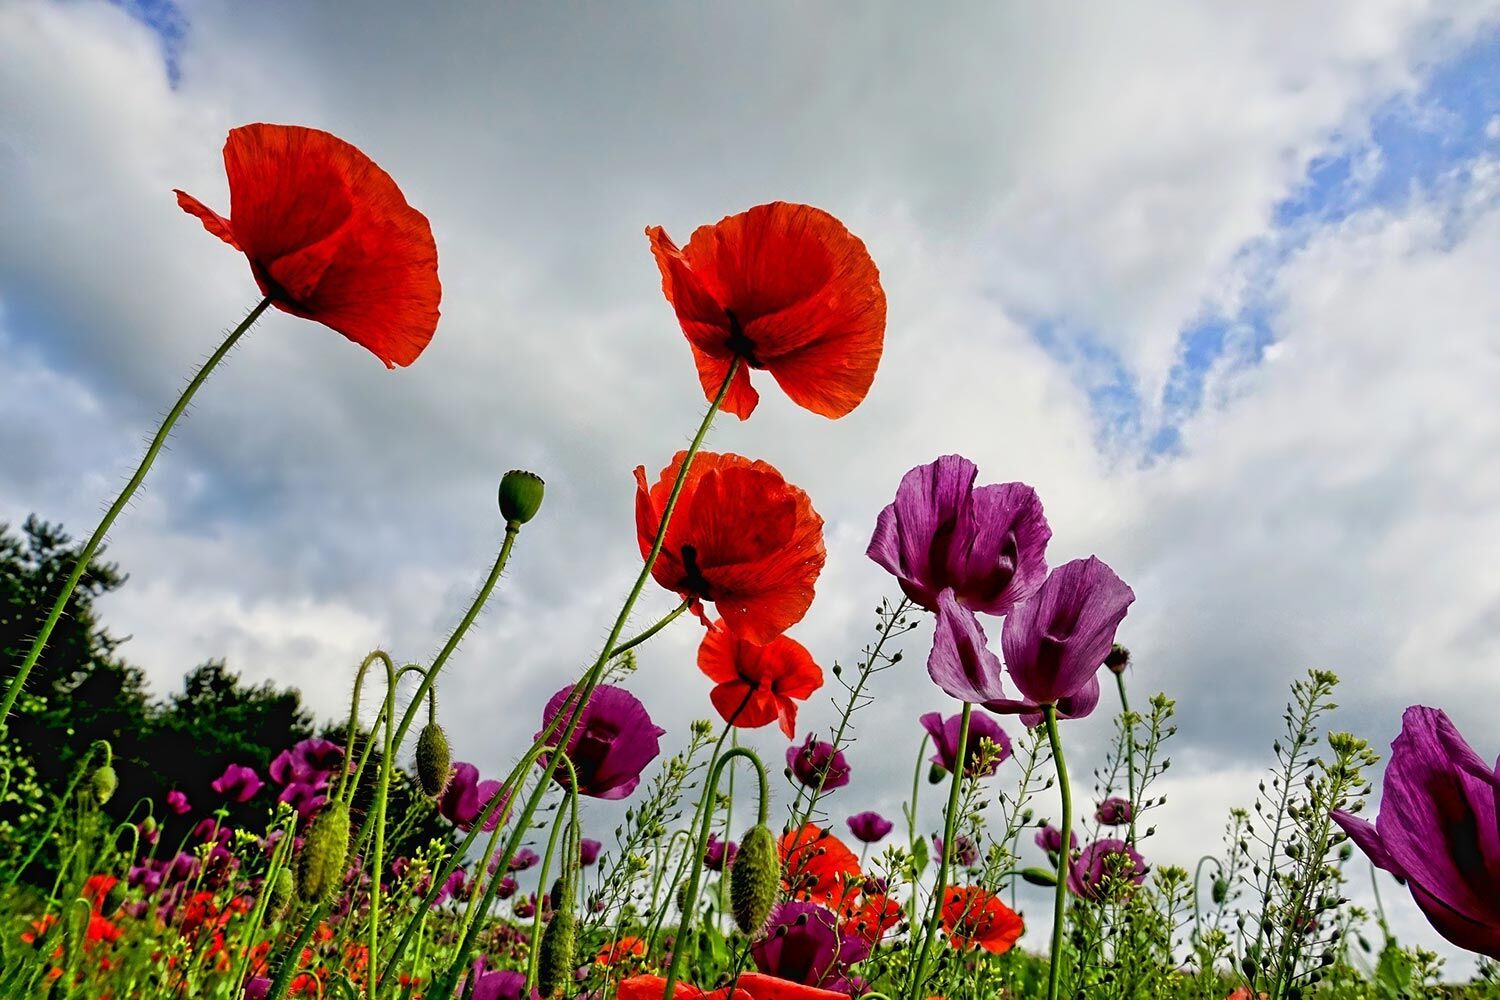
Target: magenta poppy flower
{"points": [[499, 984], [209, 828], [986, 545], [614, 741], [308, 761], [1055, 643], [965, 851], [588, 851], [237, 783], [525, 907], [1049, 839], [801, 943], [960, 661], [945, 733], [507, 887], [869, 827], [178, 803], [465, 797], [305, 797], [257, 988], [812, 758], [453, 887], [524, 858], [719, 854], [1112, 859], [1114, 811], [1439, 829]]}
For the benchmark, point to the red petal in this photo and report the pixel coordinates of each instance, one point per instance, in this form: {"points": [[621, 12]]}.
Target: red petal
{"points": [[212, 221]]}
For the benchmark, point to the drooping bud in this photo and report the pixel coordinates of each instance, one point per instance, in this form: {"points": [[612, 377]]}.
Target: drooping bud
{"points": [[104, 782], [1220, 891], [1117, 659], [555, 962], [754, 879], [321, 864], [520, 496], [1039, 876], [434, 761], [936, 774]]}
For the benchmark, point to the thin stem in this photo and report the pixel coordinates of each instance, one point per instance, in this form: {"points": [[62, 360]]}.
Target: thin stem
{"points": [[1128, 723], [911, 818], [666, 620], [534, 952], [950, 824], [86, 556], [1060, 907], [382, 791]]}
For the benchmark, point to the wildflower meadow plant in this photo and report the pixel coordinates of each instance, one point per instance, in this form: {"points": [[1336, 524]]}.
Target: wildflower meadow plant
{"points": [[369, 860]]}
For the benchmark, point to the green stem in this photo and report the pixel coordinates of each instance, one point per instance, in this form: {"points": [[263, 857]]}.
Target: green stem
{"points": [[381, 793], [78, 774], [534, 952], [1060, 906], [950, 824], [87, 555], [690, 900], [293, 957], [666, 620], [1129, 724], [911, 820]]}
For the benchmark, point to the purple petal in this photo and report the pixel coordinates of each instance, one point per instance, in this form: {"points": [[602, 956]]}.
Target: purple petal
{"points": [[961, 662]]}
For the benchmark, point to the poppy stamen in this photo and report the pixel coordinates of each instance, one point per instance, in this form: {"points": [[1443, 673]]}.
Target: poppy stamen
{"points": [[739, 343], [692, 581]]}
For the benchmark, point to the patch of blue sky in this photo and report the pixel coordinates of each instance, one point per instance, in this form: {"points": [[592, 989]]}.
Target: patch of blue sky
{"points": [[165, 18], [1414, 143]]}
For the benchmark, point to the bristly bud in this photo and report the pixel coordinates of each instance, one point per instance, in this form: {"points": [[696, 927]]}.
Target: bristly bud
{"points": [[321, 864], [520, 496], [1117, 659], [281, 892], [104, 782], [434, 760], [1039, 876], [754, 879], [113, 899], [555, 961]]}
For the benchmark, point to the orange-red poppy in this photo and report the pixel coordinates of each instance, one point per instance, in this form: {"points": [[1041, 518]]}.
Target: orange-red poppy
{"points": [[627, 947], [871, 916], [974, 917], [784, 288], [818, 866], [757, 685], [748, 986], [741, 536], [329, 237]]}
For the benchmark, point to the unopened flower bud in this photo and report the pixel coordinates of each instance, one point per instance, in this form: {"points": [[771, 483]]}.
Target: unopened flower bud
{"points": [[555, 960], [282, 888], [104, 782], [1117, 659], [433, 759], [936, 773], [1220, 891], [520, 496], [1039, 876], [112, 899], [321, 864], [754, 879]]}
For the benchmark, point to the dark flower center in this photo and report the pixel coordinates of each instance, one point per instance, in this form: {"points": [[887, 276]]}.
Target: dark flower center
{"points": [[692, 581], [739, 343]]}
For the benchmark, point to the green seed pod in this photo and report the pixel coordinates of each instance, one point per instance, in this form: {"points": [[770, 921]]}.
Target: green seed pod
{"points": [[754, 879], [520, 496], [113, 899], [433, 759], [1039, 876], [1220, 891], [681, 897], [555, 962], [104, 782], [321, 864], [281, 892]]}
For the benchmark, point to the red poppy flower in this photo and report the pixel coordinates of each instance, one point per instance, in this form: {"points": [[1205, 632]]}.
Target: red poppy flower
{"points": [[748, 986], [785, 288], [740, 536], [871, 916], [818, 866], [755, 685], [626, 947], [329, 237], [976, 918]]}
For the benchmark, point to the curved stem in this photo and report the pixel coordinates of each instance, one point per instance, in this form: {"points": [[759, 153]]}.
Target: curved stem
{"points": [[950, 824], [1060, 905], [382, 791], [690, 900], [1129, 725], [87, 554]]}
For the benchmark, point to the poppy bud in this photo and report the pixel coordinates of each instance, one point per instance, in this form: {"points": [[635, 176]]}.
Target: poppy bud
{"points": [[321, 864], [555, 962], [433, 759], [520, 496], [1220, 891], [754, 879], [104, 783], [1117, 659], [112, 899], [1039, 876], [681, 896], [936, 773], [281, 891]]}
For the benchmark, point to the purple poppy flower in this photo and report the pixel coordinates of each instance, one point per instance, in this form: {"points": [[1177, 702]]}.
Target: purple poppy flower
{"points": [[1439, 829], [801, 943], [237, 783], [987, 546], [453, 887], [719, 854], [306, 761], [812, 758], [945, 732], [498, 984], [178, 803], [146, 877], [588, 851], [1055, 643], [869, 827], [524, 858], [507, 887], [965, 851], [304, 797], [1114, 811], [1049, 839], [526, 907], [960, 661], [209, 828], [612, 745], [257, 988], [1112, 859], [465, 797]]}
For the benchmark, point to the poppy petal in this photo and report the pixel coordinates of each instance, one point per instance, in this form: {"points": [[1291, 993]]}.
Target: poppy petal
{"points": [[212, 221]]}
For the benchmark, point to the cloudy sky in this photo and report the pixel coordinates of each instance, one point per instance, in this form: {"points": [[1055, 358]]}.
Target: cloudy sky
{"points": [[1217, 279]]}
